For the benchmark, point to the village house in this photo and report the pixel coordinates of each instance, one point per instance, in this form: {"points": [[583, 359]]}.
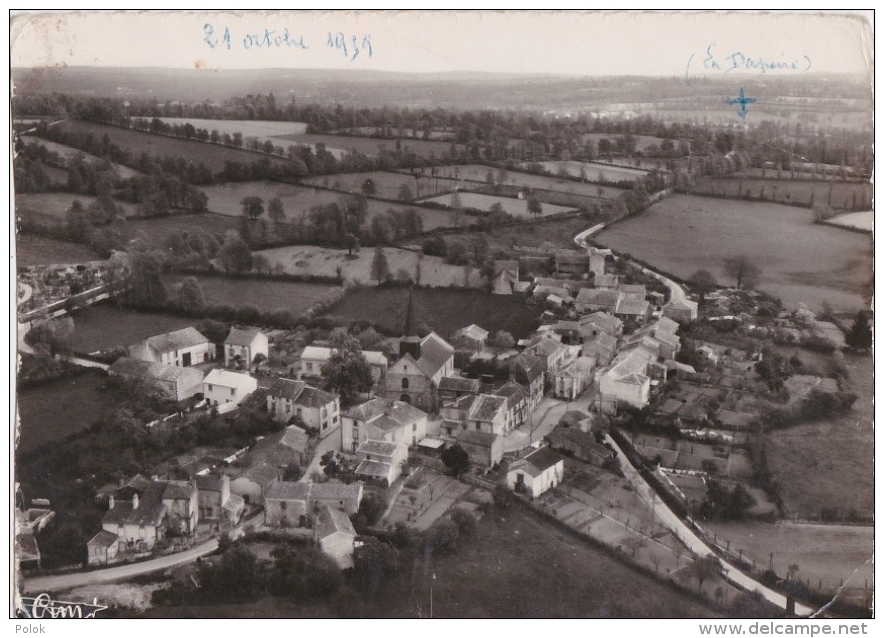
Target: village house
{"points": [[528, 371], [380, 461], [597, 260], [579, 444], [335, 535], [606, 282], [289, 504], [382, 420], [472, 338], [603, 348], [681, 310], [313, 358], [216, 504], [595, 300], [506, 276], [483, 448], [516, 404], [415, 377], [241, 346], [629, 380], [550, 350], [535, 473], [267, 461], [450, 388], [223, 387], [571, 262], [185, 347], [635, 309], [572, 379], [633, 292], [593, 325], [288, 399], [481, 413], [175, 383]]}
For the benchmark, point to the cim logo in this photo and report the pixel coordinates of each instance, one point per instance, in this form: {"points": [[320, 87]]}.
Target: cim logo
{"points": [[43, 607]]}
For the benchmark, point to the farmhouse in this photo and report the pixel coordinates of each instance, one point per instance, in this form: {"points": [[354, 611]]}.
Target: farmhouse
{"points": [[313, 358], [597, 258], [381, 420], [630, 308], [415, 377], [380, 461], [335, 535], [472, 338], [606, 282], [482, 413], [484, 449], [600, 322], [451, 388], [506, 276], [175, 383], [223, 387], [579, 444], [241, 347], [594, 300], [571, 262], [629, 380], [185, 347], [550, 350], [289, 504], [573, 378], [288, 399], [536, 473], [215, 502], [267, 461], [681, 310]]}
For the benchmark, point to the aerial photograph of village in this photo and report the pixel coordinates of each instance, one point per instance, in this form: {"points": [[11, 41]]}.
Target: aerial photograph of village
{"points": [[437, 315]]}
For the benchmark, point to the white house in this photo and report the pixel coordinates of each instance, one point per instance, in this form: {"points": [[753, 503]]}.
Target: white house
{"points": [[288, 399], [536, 473], [573, 378], [382, 420], [176, 383], [185, 347], [241, 346], [682, 311], [313, 358], [336, 536], [221, 387], [381, 461]]}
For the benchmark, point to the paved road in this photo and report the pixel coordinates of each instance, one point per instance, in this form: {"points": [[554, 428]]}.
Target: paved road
{"points": [[683, 532], [547, 415], [331, 442], [42, 584]]}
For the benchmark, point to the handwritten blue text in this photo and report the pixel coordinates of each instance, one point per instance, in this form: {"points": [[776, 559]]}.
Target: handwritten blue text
{"points": [[714, 62], [348, 45]]}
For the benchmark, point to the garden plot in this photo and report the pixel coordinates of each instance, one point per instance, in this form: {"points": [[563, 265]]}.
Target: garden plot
{"points": [[512, 206]]}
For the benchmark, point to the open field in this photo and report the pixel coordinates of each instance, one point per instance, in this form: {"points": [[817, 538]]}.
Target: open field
{"points": [[326, 262], [106, 326], [388, 307], [828, 466], [800, 261], [403, 132], [67, 152], [559, 232], [52, 207], [479, 173], [212, 156], [863, 221], [298, 200], [267, 295], [262, 129], [595, 171], [515, 207], [33, 250], [54, 410], [844, 195], [366, 145], [387, 184], [826, 555], [642, 142]]}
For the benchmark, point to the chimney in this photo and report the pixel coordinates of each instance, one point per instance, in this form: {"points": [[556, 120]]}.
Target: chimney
{"points": [[410, 345], [135, 501], [110, 502]]}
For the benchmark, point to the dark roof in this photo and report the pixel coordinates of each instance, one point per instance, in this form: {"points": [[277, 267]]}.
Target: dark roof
{"points": [[209, 483], [459, 384], [300, 393], [240, 337], [177, 340], [543, 459], [386, 415], [103, 538], [472, 437], [332, 520], [526, 368], [598, 297], [178, 490], [149, 512], [514, 392], [486, 407], [383, 448]]}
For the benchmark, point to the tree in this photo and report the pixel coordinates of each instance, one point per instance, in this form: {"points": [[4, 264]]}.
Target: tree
{"points": [[456, 459], [535, 207], [352, 244], [465, 521], [435, 245], [405, 193], [190, 293], [380, 269], [346, 372], [702, 569], [703, 281], [252, 206], [369, 188], [235, 254], [372, 507], [744, 271], [503, 339], [276, 210], [305, 572], [859, 336], [53, 335]]}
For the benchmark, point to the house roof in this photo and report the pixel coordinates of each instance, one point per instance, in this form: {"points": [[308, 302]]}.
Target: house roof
{"points": [[291, 491], [158, 371], [632, 289], [295, 438], [596, 297], [683, 304], [543, 458], [471, 331], [514, 392], [486, 407], [229, 379], [603, 321], [506, 265], [374, 469], [242, 337], [633, 307], [178, 490], [459, 384], [103, 538], [386, 414], [579, 437], [319, 353], [311, 397], [665, 324], [177, 340], [545, 345], [435, 353], [233, 503], [149, 512], [332, 521], [209, 482], [634, 378], [527, 367], [606, 281], [381, 448]]}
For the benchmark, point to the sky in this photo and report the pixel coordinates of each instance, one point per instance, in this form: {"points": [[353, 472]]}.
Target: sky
{"points": [[569, 42]]}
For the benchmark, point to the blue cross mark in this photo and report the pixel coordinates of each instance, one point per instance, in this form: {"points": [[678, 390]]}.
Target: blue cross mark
{"points": [[742, 101]]}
